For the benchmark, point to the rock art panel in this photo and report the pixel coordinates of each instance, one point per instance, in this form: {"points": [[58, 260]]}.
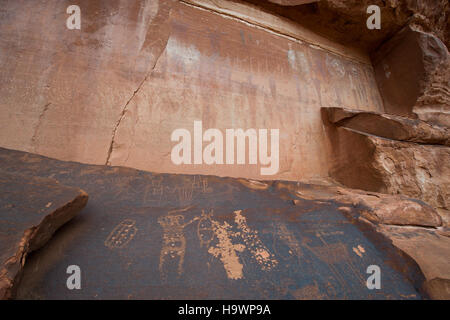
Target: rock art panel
{"points": [[249, 88], [79, 95], [316, 248]]}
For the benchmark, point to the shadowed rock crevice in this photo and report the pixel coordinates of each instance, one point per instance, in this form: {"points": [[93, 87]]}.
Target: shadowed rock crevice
{"points": [[390, 154]]}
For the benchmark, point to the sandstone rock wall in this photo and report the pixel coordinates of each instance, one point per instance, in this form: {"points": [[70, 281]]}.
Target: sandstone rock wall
{"points": [[373, 163], [344, 20], [411, 73], [112, 92]]}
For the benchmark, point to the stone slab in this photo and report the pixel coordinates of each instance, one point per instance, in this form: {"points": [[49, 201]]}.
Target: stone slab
{"points": [[31, 210]]}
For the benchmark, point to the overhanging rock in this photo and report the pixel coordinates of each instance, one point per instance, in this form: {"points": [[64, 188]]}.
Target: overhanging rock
{"points": [[389, 126]]}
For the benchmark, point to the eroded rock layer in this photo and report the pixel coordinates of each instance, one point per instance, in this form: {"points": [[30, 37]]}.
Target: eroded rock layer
{"points": [[389, 126], [377, 164]]}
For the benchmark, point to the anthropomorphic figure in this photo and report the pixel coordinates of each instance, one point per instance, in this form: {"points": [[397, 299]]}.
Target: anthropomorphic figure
{"points": [[174, 243]]}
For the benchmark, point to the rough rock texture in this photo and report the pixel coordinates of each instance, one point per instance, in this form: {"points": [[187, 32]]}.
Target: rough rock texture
{"points": [[372, 163], [376, 207], [145, 235], [31, 210], [114, 91], [434, 105], [292, 2], [431, 251], [389, 126], [394, 210], [345, 20], [63, 91], [412, 226], [406, 69]]}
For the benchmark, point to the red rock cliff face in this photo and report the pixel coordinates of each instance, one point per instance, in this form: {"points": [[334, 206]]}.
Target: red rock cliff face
{"points": [[113, 92], [363, 109]]}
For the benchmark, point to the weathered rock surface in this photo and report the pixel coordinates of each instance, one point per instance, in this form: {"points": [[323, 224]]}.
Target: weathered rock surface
{"points": [[376, 207], [438, 289], [413, 226], [434, 105], [405, 69], [376, 164], [292, 2], [146, 235], [345, 20], [389, 126], [114, 91], [431, 251], [31, 210]]}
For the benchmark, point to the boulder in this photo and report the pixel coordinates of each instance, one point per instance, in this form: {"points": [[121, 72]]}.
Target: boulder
{"points": [[31, 210]]}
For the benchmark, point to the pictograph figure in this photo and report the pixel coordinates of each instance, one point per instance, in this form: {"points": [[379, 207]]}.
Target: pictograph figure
{"points": [[205, 230], [174, 242], [122, 234], [287, 238]]}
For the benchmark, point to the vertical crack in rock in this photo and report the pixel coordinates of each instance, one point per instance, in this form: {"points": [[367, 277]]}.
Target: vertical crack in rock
{"points": [[124, 110], [38, 126], [164, 14]]}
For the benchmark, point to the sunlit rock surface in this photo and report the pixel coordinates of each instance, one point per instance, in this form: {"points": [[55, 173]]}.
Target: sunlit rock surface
{"points": [[114, 91]]}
